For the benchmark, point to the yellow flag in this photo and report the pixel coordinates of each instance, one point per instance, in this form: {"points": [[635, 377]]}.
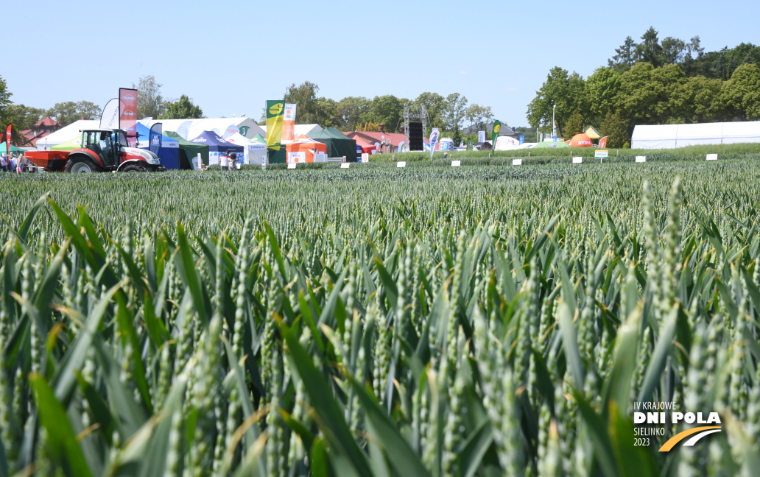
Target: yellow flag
{"points": [[275, 114]]}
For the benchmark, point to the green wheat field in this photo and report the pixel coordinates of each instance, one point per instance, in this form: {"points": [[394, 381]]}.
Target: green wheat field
{"points": [[485, 320]]}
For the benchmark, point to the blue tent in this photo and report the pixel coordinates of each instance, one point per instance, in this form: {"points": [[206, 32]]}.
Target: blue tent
{"points": [[217, 146], [169, 151]]}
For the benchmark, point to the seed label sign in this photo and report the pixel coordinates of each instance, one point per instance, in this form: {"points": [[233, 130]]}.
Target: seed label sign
{"points": [[345, 165], [292, 165], [455, 163], [712, 157], [641, 158], [401, 164], [517, 162], [577, 160], [601, 154]]}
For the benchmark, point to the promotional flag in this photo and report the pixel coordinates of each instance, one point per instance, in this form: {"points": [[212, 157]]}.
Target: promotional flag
{"points": [[244, 130], [433, 140], [128, 114], [109, 118], [522, 138], [8, 140], [481, 136], [603, 142], [275, 113], [155, 138], [230, 131], [495, 133], [184, 129], [289, 123]]}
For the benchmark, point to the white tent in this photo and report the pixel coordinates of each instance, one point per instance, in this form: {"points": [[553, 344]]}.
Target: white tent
{"points": [[505, 143], [66, 134], [255, 152], [670, 136], [299, 129], [218, 125]]}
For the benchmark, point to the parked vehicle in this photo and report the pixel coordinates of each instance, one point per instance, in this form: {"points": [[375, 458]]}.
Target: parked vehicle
{"points": [[102, 150]]}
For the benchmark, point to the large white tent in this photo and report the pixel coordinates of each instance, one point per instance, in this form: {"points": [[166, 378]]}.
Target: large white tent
{"points": [[66, 134], [299, 129], [218, 125], [670, 136], [255, 152]]}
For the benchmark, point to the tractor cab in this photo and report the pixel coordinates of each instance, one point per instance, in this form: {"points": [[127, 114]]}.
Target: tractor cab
{"points": [[106, 143]]}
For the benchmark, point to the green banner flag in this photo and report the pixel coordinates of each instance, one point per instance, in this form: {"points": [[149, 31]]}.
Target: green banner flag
{"points": [[495, 134], [275, 115]]}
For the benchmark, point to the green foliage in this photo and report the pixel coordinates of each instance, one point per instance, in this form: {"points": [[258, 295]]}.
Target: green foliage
{"points": [[574, 124], [69, 111], [562, 90], [150, 102], [431, 320], [741, 94], [183, 108]]}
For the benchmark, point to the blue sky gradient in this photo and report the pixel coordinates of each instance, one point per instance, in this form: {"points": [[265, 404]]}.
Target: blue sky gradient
{"points": [[232, 56]]}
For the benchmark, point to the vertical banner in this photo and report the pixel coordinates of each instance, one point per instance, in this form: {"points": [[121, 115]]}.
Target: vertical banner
{"points": [[230, 131], [109, 118], [184, 130], [522, 138], [481, 136], [275, 113], [289, 123], [433, 141], [603, 142], [128, 114], [155, 139], [495, 133], [8, 141]]}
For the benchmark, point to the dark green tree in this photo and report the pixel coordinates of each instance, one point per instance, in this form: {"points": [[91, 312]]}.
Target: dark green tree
{"points": [[68, 112], [183, 108], [616, 129], [150, 102], [650, 50], [352, 110], [625, 56]]}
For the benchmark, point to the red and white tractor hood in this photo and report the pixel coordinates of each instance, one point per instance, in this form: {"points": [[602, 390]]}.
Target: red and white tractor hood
{"points": [[141, 154]]}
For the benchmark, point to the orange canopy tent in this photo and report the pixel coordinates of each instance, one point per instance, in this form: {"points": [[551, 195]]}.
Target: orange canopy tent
{"points": [[303, 149], [580, 140], [366, 147]]}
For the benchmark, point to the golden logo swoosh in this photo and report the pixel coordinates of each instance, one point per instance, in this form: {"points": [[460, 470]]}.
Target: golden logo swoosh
{"points": [[683, 435]]}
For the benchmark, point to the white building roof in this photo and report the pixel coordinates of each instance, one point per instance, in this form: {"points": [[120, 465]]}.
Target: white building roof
{"points": [[299, 129], [66, 133], [209, 124]]}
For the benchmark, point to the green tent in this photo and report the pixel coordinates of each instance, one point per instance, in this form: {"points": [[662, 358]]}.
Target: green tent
{"points": [[338, 145], [13, 148], [258, 138], [74, 143], [552, 144], [188, 150]]}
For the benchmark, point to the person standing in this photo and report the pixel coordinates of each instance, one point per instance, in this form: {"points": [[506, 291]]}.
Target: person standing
{"points": [[233, 161], [224, 160], [3, 163], [13, 164]]}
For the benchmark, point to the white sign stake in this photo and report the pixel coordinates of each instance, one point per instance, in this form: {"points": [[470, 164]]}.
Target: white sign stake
{"points": [[712, 157], [291, 165], [455, 163], [641, 158], [401, 164], [517, 162], [345, 165], [577, 160]]}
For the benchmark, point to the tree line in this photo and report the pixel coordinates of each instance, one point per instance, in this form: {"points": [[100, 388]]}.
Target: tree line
{"points": [[150, 104], [652, 82], [451, 114]]}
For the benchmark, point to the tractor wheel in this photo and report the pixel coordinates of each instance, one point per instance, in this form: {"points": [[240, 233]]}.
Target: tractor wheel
{"points": [[134, 168], [81, 164]]}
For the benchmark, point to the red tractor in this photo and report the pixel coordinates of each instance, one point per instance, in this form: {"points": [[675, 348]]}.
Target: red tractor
{"points": [[102, 150]]}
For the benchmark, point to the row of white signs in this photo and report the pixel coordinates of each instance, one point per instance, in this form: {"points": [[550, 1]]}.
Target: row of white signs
{"points": [[515, 162]]}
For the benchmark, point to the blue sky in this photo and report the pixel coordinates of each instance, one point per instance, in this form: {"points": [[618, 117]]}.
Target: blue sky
{"points": [[232, 56]]}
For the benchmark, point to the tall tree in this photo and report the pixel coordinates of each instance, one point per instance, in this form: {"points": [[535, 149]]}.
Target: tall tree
{"points": [[478, 116], [454, 114], [435, 105], [741, 93], [647, 93], [183, 108], [565, 91], [387, 110], [616, 129], [574, 125], [304, 96], [602, 89], [650, 50], [625, 56], [673, 50], [352, 110], [150, 102]]}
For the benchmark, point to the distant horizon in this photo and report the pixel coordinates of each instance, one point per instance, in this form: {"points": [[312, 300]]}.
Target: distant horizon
{"points": [[347, 49]]}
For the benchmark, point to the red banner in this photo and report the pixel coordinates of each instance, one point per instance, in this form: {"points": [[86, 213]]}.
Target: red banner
{"points": [[8, 140], [603, 142], [128, 114]]}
